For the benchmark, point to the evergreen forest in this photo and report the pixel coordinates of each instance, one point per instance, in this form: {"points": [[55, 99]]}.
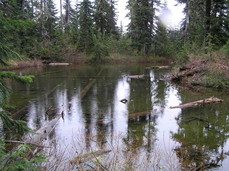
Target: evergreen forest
{"points": [[39, 31]]}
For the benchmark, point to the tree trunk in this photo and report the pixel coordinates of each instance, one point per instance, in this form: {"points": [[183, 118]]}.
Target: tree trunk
{"points": [[187, 22], [61, 15], [67, 13], [207, 15]]}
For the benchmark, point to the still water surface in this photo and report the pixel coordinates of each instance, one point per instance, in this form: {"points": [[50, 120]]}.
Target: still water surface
{"points": [[145, 128]]}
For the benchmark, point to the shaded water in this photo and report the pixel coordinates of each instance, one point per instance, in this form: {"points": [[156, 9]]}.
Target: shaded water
{"points": [[143, 129]]}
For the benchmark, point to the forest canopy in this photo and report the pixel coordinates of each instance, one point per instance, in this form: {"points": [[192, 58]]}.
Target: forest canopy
{"points": [[35, 28]]}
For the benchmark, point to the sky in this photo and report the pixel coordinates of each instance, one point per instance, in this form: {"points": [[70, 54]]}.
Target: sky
{"points": [[171, 17]]}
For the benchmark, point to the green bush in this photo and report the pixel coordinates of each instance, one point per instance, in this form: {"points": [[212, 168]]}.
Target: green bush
{"points": [[182, 57], [225, 49]]}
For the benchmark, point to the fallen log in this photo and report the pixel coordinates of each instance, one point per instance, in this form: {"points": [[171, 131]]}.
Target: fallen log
{"points": [[87, 157], [136, 76], [59, 64], [157, 67], [35, 139], [199, 103]]}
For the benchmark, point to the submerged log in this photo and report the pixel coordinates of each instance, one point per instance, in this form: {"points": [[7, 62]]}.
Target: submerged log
{"points": [[136, 76], [89, 85], [87, 157], [199, 103], [43, 132], [130, 117], [16, 115]]}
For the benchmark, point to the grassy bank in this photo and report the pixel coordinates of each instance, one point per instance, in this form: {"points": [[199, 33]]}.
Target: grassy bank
{"points": [[209, 70]]}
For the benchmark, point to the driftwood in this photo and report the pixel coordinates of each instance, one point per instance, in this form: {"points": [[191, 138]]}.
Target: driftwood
{"points": [[199, 103], [59, 64], [87, 157], [157, 67], [136, 76]]}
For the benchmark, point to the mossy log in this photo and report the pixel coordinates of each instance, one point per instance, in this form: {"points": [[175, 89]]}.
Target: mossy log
{"points": [[199, 103]]}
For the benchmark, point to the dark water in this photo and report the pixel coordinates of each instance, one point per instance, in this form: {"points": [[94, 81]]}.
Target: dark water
{"points": [[143, 129]]}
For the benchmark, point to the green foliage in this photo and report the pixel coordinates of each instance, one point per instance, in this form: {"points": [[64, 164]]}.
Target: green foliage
{"points": [[121, 46], [85, 25], [6, 53], [182, 57], [142, 16], [225, 49], [100, 52], [206, 22], [18, 35], [19, 160], [161, 39], [215, 81], [105, 21], [16, 126], [13, 76]]}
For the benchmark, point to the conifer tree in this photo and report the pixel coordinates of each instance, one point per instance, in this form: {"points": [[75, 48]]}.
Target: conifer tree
{"points": [[85, 25], [206, 21], [105, 17], [142, 15]]}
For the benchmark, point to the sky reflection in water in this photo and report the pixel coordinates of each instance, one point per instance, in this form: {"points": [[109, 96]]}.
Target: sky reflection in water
{"points": [[100, 120]]}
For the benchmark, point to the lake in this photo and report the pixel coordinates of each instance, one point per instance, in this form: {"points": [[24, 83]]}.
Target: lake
{"points": [[128, 122]]}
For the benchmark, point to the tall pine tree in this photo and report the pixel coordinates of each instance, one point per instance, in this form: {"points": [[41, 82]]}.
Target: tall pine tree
{"points": [[105, 17], [85, 25], [142, 15]]}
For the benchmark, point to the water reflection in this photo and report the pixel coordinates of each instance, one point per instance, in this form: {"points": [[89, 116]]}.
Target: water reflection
{"points": [[120, 115], [139, 127]]}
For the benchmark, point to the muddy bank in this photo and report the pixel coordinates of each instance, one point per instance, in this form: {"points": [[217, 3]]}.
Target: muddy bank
{"points": [[208, 71]]}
